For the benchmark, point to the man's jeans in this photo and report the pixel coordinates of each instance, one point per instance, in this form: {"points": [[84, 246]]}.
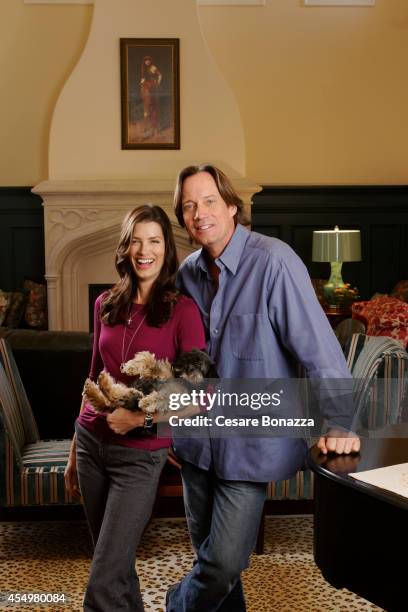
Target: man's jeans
{"points": [[223, 518]]}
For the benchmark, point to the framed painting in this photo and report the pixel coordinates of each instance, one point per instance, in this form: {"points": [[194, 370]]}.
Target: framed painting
{"points": [[150, 93]]}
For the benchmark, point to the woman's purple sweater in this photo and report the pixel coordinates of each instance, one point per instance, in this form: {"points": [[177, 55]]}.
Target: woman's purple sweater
{"points": [[113, 345]]}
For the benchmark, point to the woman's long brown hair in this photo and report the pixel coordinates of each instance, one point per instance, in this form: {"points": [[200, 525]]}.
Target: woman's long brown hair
{"points": [[163, 296]]}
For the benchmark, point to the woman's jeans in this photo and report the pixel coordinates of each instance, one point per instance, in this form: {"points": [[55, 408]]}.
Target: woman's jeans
{"points": [[223, 518], [118, 486]]}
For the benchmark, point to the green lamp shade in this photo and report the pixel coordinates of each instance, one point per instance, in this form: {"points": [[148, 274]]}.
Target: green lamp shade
{"points": [[336, 245]]}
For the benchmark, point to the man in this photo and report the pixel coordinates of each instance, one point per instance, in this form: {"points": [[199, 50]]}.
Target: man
{"points": [[262, 318]]}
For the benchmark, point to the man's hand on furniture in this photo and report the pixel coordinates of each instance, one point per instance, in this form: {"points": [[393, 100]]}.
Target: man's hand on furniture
{"points": [[122, 420], [338, 442]]}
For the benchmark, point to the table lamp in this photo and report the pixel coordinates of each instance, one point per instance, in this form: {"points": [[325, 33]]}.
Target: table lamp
{"points": [[336, 246]]}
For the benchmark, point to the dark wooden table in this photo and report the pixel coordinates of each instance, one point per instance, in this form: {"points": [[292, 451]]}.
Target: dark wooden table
{"points": [[336, 315], [360, 531]]}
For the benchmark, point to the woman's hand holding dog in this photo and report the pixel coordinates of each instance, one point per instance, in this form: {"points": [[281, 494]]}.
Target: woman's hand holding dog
{"points": [[122, 420]]}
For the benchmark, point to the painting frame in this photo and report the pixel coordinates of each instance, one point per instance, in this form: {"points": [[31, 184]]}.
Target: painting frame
{"points": [[150, 93], [339, 2]]}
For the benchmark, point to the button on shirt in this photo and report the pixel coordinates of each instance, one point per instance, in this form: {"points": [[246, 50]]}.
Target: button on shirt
{"points": [[261, 322]]}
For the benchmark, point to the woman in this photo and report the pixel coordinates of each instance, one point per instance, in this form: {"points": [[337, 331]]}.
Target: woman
{"points": [[150, 80], [117, 459]]}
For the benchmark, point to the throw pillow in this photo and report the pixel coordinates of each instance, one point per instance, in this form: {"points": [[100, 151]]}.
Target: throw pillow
{"points": [[36, 311], [15, 312], [384, 316], [4, 304]]}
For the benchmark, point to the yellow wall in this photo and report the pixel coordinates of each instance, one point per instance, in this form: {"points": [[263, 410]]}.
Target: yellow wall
{"points": [[39, 46], [322, 91]]}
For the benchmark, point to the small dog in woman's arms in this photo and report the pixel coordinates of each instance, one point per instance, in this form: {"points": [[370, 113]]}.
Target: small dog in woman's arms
{"points": [[155, 380]]}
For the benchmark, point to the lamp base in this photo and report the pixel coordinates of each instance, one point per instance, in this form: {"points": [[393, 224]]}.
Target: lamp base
{"points": [[335, 282]]}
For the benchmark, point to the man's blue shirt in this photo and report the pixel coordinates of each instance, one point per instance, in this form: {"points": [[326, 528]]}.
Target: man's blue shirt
{"points": [[261, 322]]}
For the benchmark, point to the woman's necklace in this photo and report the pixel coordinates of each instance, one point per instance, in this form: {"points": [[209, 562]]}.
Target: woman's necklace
{"points": [[128, 322]]}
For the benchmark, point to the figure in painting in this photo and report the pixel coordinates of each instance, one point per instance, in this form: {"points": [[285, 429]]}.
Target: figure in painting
{"points": [[151, 78]]}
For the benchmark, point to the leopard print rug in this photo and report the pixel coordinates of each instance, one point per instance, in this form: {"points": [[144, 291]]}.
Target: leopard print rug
{"points": [[54, 557]]}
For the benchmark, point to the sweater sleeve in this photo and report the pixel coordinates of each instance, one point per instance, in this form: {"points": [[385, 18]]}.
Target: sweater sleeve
{"points": [[190, 328], [96, 362]]}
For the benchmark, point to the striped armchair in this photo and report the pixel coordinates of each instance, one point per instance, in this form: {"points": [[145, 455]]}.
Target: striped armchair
{"points": [[31, 470], [379, 365]]}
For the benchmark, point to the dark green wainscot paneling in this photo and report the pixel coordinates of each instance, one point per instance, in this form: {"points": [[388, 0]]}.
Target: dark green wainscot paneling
{"points": [[21, 237], [380, 213]]}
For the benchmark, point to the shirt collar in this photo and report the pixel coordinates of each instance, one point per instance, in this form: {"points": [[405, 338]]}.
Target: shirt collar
{"points": [[231, 255]]}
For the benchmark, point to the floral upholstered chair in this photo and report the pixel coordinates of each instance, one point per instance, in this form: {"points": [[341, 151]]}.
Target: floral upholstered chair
{"points": [[384, 316]]}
